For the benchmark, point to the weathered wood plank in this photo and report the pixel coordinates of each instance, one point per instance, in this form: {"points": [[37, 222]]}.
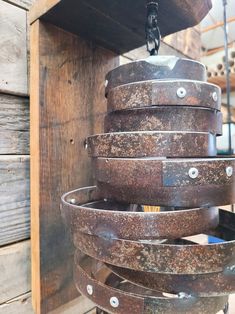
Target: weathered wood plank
{"points": [[67, 104], [118, 25], [18, 305], [187, 42], [13, 54], [14, 200], [15, 270], [24, 4], [14, 125]]}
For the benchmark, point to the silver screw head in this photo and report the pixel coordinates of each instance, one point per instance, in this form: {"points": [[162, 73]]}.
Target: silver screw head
{"points": [[229, 171], [181, 92], [193, 173], [89, 289], [215, 96], [183, 295], [72, 201], [114, 302]]}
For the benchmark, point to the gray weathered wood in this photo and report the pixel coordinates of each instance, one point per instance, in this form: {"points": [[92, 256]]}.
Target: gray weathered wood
{"points": [[15, 270], [18, 305], [24, 4], [14, 125], [14, 200], [13, 52]]}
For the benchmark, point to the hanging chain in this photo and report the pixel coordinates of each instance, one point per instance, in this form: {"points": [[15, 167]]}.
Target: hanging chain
{"points": [[153, 35]]}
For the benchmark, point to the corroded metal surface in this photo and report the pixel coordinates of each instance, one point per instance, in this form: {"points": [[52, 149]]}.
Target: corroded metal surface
{"points": [[152, 144], [155, 68], [142, 301], [213, 284], [150, 181], [159, 150], [164, 118], [167, 93], [117, 220], [150, 256]]}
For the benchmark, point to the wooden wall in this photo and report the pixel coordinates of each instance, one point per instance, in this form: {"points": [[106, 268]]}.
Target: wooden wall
{"points": [[15, 281], [14, 160]]}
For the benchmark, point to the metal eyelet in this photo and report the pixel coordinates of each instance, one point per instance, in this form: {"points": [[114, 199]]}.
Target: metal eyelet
{"points": [[193, 173]]}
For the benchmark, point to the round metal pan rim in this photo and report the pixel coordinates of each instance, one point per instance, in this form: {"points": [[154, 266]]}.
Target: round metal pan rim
{"points": [[168, 159], [178, 58], [76, 206], [171, 80], [162, 107], [147, 132], [143, 302]]}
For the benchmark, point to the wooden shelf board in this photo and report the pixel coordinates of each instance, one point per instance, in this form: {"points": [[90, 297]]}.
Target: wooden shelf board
{"points": [[118, 25]]}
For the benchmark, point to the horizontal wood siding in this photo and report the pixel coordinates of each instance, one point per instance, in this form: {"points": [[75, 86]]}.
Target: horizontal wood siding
{"points": [[14, 200], [15, 271], [13, 52], [19, 305], [24, 4], [14, 125]]}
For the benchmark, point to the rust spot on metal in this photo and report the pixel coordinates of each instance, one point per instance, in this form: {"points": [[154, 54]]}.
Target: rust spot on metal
{"points": [[158, 149]]}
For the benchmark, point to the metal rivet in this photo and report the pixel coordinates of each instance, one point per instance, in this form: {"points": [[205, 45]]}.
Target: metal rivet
{"points": [[106, 83], [72, 201], [215, 96], [114, 302], [193, 173], [89, 289], [229, 171], [183, 295], [181, 92], [85, 144], [232, 268]]}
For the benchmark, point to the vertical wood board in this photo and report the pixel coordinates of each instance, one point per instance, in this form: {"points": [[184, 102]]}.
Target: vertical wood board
{"points": [[13, 52], [67, 105], [14, 200]]}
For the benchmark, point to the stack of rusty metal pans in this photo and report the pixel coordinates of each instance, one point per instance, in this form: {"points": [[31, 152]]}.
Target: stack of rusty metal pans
{"points": [[158, 149]]}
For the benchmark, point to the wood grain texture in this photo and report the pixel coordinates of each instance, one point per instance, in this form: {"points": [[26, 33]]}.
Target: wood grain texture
{"points": [[118, 25], [14, 125], [15, 270], [187, 42], [13, 52], [19, 305], [14, 200], [24, 4], [67, 104]]}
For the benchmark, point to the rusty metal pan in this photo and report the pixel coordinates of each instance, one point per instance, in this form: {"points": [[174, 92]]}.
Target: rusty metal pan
{"points": [[85, 211], [164, 118], [214, 284], [152, 144], [184, 182], [168, 93], [164, 258], [132, 299], [155, 68]]}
